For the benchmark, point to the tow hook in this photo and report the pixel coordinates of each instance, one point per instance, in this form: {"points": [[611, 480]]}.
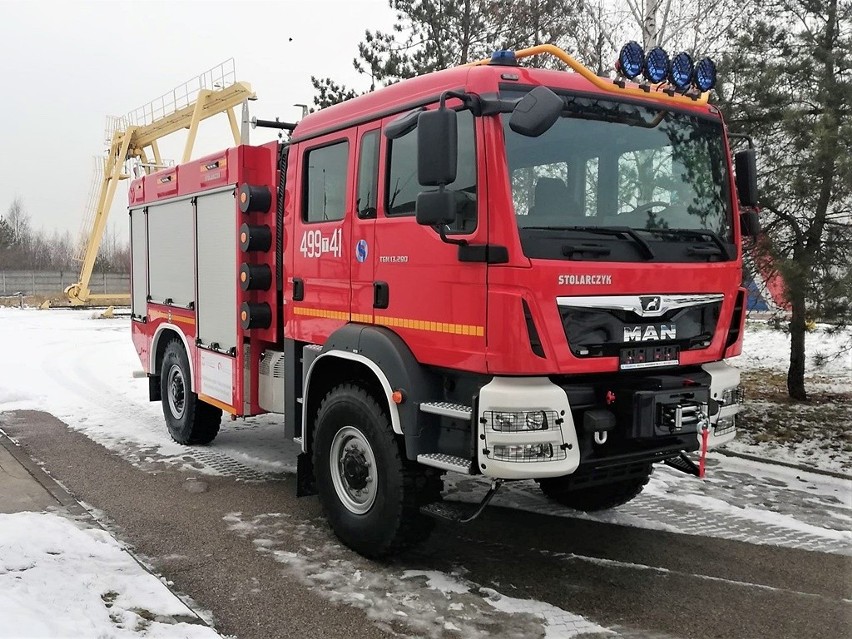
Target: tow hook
{"points": [[458, 512]]}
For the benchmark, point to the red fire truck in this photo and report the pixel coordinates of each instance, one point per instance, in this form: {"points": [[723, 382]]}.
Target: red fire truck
{"points": [[492, 270]]}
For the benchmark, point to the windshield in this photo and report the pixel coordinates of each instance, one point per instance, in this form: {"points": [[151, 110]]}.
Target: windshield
{"points": [[623, 166]]}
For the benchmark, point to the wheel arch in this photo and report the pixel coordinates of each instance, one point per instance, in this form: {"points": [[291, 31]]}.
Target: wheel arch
{"points": [[162, 336], [377, 357]]}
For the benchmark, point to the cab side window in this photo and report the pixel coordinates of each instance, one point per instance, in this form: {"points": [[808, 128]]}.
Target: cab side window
{"points": [[403, 187], [325, 183], [368, 175]]}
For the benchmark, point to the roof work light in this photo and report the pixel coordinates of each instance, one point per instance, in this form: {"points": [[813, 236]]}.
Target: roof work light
{"points": [[705, 74], [680, 71], [630, 59], [656, 65]]}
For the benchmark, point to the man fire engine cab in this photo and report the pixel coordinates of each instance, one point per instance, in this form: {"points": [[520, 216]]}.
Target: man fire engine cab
{"points": [[493, 270]]}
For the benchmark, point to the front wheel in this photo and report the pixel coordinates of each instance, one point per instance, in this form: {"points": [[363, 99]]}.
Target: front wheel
{"points": [[189, 420], [370, 493]]}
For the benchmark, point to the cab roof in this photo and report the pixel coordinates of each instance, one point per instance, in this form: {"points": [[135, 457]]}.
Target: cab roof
{"points": [[483, 79]]}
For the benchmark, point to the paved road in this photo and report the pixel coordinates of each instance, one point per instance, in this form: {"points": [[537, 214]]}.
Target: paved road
{"points": [[266, 564]]}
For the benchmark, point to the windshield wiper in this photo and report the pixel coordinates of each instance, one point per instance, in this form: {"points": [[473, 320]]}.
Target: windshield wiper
{"points": [[698, 234], [644, 248]]}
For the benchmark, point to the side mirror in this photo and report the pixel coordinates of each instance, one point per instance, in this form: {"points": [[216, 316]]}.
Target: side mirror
{"points": [[435, 208], [749, 223], [745, 164], [437, 147], [536, 112]]}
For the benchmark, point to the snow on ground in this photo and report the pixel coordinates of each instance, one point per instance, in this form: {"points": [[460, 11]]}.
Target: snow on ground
{"points": [[81, 370], [60, 580], [428, 602]]}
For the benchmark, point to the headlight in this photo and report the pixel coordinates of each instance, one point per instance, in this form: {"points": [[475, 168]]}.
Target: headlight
{"points": [[520, 421], [733, 395]]}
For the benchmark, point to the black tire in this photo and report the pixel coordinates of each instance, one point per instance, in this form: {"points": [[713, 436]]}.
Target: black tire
{"points": [[375, 506], [189, 420], [593, 498]]}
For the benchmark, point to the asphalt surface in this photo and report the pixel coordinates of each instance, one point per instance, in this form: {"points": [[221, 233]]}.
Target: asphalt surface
{"points": [[638, 582]]}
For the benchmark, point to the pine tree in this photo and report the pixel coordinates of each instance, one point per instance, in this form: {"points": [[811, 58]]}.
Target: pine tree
{"points": [[788, 83]]}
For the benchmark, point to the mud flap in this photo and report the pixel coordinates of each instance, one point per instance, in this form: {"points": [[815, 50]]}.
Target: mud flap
{"points": [[305, 481]]}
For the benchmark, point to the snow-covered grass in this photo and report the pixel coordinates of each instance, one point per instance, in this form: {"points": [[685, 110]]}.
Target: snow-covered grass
{"points": [[817, 433], [58, 580]]}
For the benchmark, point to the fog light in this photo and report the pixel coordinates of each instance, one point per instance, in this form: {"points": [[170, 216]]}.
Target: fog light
{"points": [[523, 452], [725, 425]]}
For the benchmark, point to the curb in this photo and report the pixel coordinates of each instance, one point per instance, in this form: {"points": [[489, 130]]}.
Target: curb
{"points": [[77, 510], [56, 490], [776, 462]]}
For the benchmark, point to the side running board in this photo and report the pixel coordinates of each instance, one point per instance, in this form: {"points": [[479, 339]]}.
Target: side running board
{"points": [[446, 462], [447, 409]]}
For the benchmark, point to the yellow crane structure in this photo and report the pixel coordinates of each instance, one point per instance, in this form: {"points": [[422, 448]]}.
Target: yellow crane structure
{"points": [[133, 146]]}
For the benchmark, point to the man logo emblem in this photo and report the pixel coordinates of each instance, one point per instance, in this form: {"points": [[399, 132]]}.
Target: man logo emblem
{"points": [[650, 303]]}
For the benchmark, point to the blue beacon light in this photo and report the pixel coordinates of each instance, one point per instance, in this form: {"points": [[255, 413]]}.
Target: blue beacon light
{"points": [[630, 59], [680, 71], [705, 74], [656, 65]]}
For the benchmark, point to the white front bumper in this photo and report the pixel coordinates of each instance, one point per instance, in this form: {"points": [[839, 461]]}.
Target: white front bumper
{"points": [[722, 377], [501, 453]]}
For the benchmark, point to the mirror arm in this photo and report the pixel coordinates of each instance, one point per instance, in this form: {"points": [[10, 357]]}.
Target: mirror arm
{"points": [[742, 136], [442, 231], [469, 101]]}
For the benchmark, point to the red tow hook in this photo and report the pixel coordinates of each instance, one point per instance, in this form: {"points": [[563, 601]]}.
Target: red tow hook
{"points": [[705, 435]]}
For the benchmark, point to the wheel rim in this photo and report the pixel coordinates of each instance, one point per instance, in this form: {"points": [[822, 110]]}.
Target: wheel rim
{"points": [[176, 391], [353, 470]]}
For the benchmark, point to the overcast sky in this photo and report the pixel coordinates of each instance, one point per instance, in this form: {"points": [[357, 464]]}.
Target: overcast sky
{"points": [[67, 64]]}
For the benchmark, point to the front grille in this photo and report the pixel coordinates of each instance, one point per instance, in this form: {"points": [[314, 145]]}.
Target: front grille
{"points": [[600, 332]]}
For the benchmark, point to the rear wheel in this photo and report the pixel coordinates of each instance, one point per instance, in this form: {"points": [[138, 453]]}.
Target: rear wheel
{"points": [[189, 420], [370, 493], [593, 498]]}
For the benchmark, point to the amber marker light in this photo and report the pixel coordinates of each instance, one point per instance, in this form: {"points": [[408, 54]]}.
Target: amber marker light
{"points": [[397, 397]]}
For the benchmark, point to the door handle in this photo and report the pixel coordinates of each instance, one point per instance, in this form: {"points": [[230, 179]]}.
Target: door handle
{"points": [[298, 289], [381, 295]]}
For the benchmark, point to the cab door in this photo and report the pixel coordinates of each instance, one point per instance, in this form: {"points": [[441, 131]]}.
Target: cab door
{"points": [[319, 282], [426, 294]]}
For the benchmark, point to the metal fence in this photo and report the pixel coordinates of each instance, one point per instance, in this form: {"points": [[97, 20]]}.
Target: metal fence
{"points": [[50, 283]]}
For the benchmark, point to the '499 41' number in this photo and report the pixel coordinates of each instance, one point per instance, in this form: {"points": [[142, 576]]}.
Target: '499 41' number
{"points": [[315, 244]]}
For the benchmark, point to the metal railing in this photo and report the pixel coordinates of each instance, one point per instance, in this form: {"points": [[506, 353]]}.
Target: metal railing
{"points": [[219, 77]]}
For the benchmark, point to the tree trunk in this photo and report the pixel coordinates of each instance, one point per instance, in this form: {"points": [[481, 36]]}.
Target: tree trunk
{"points": [[796, 372]]}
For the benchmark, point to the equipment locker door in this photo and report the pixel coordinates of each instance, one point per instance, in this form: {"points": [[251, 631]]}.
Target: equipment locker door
{"points": [[321, 245], [436, 302]]}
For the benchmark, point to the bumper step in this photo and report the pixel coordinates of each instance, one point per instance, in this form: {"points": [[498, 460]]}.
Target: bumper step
{"points": [[446, 462], [447, 409]]}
